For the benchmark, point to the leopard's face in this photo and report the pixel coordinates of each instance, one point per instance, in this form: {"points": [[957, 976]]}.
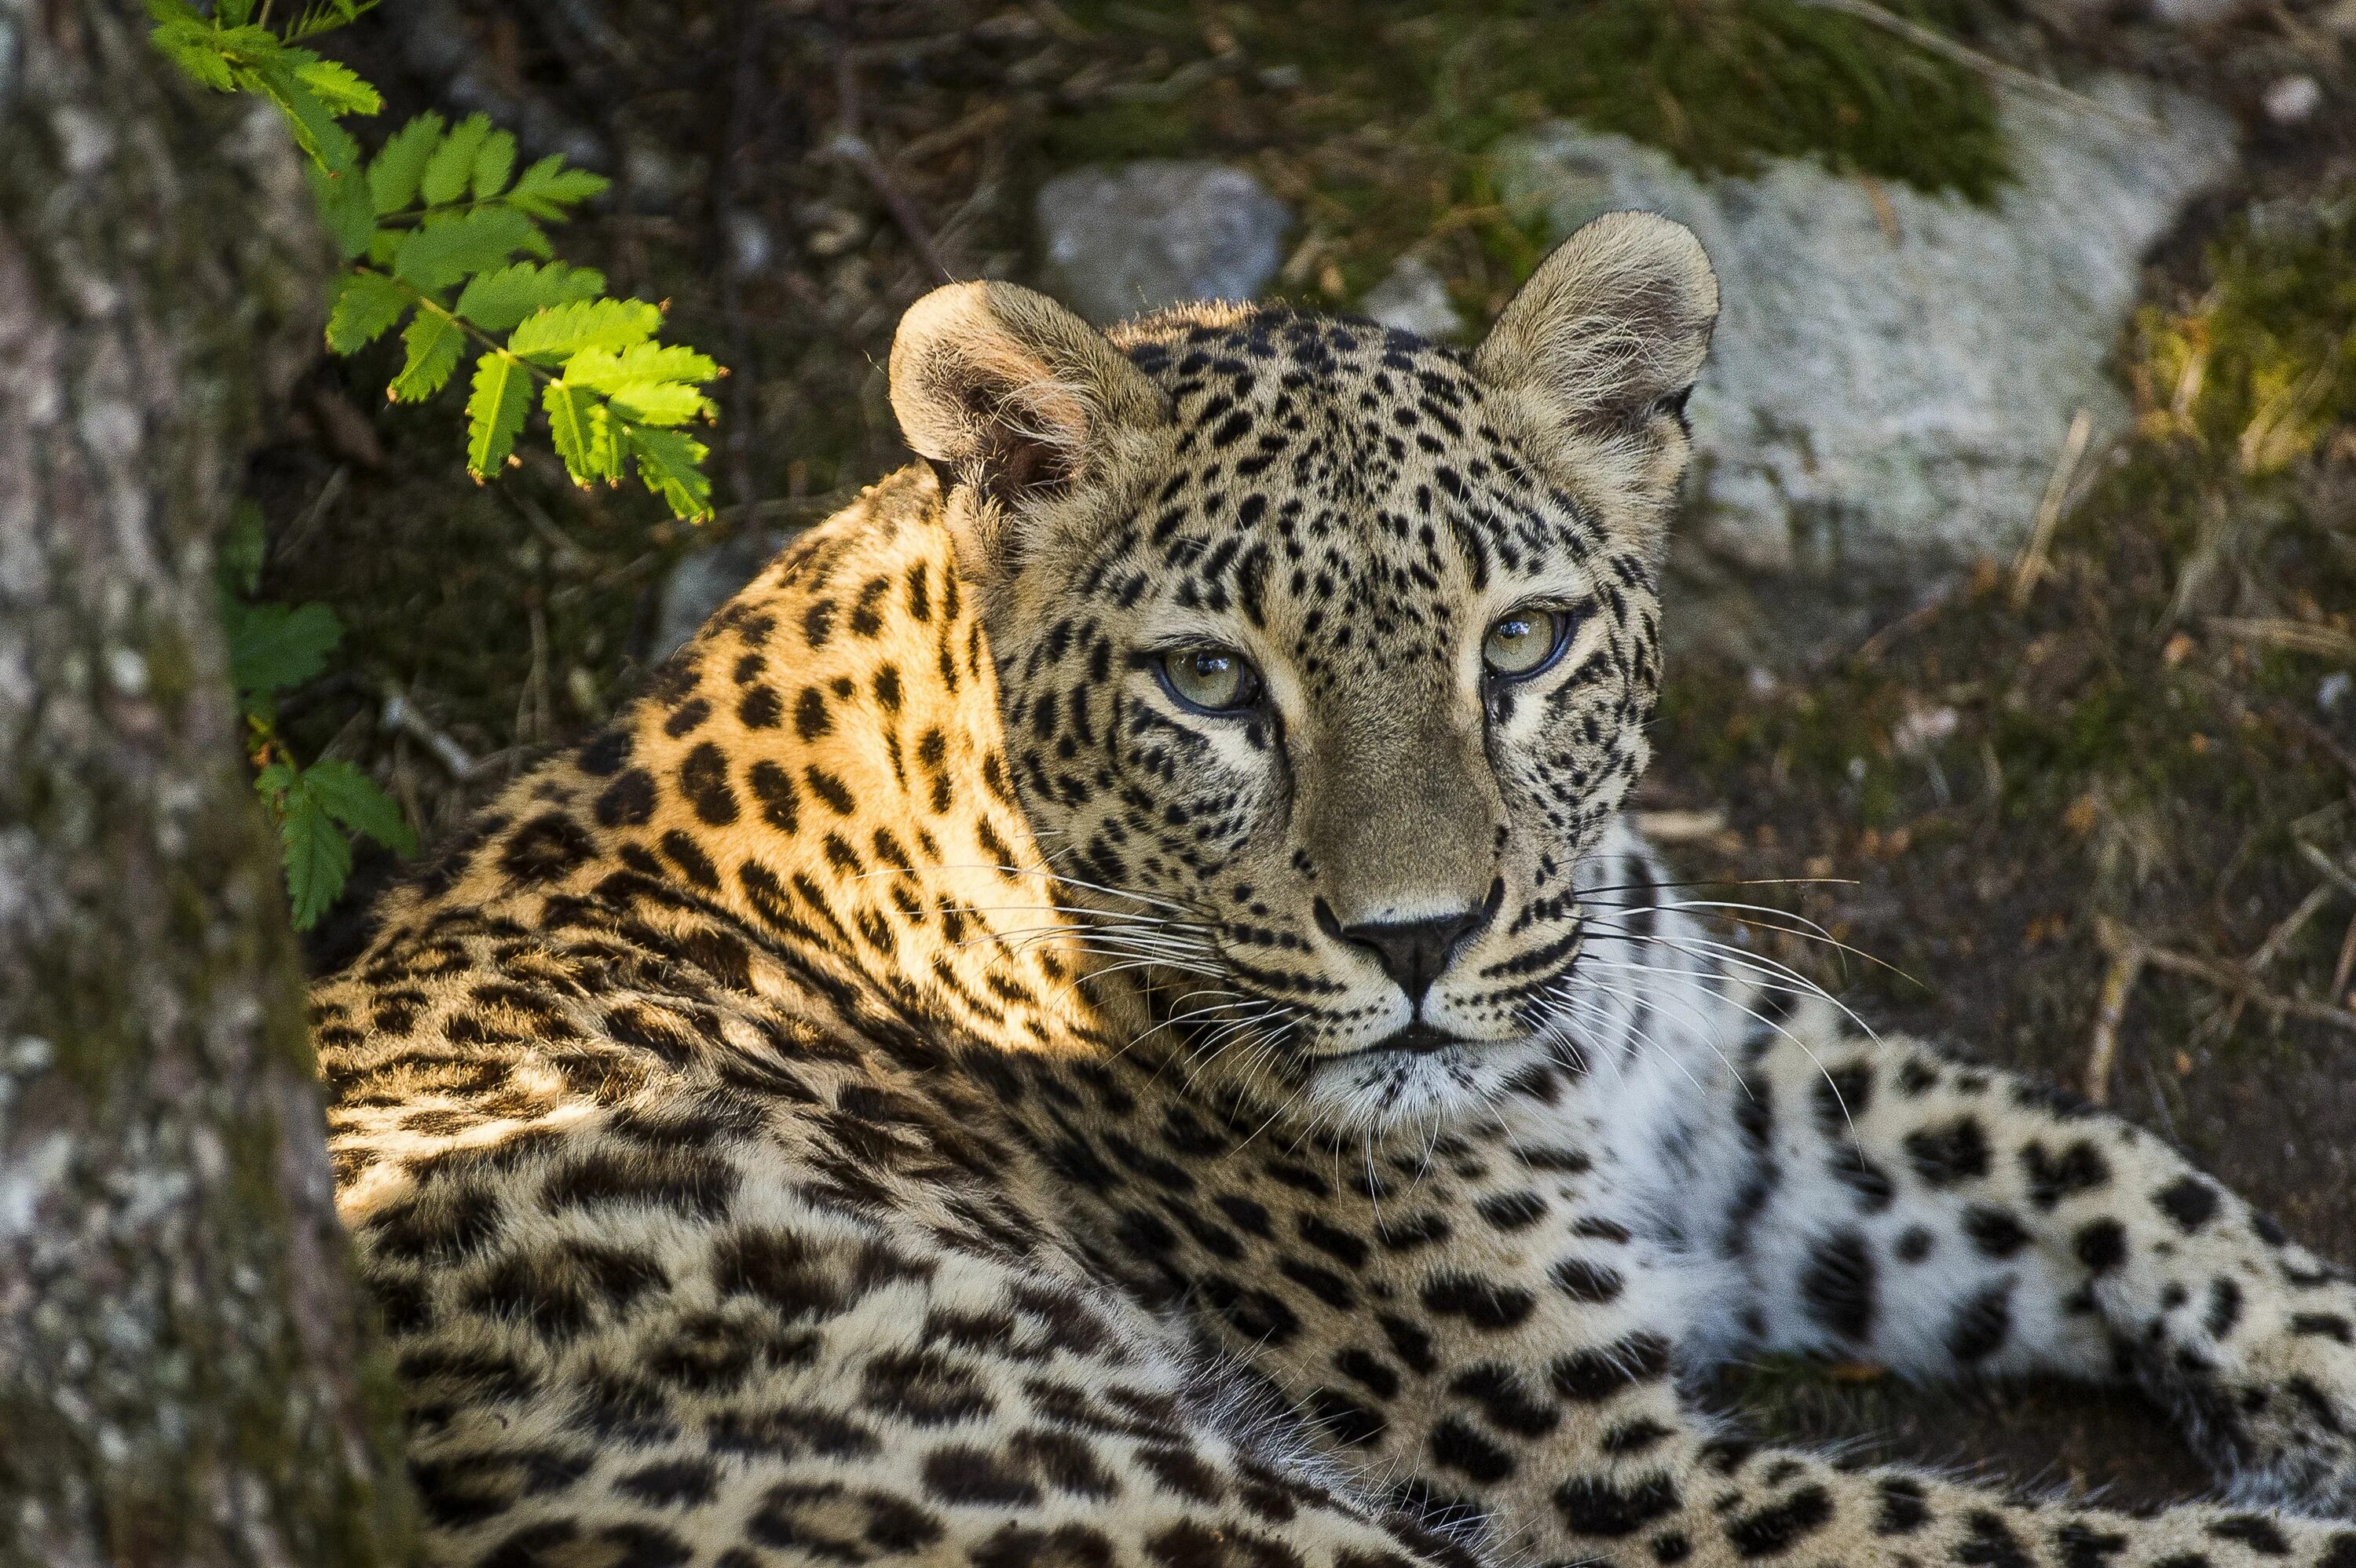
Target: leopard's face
{"points": [[1321, 678], [1338, 704]]}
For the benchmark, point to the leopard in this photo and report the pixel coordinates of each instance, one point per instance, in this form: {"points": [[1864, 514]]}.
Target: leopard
{"points": [[1110, 1010]]}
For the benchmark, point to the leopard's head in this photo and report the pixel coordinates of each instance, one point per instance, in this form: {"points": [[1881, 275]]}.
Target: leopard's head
{"points": [[1325, 653]]}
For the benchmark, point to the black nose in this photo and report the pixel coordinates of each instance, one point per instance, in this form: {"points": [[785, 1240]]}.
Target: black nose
{"points": [[1412, 952]]}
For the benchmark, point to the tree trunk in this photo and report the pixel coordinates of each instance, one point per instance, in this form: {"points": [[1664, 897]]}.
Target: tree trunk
{"points": [[183, 1379]]}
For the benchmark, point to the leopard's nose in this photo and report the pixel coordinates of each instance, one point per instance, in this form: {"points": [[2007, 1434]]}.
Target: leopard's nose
{"points": [[1412, 953]]}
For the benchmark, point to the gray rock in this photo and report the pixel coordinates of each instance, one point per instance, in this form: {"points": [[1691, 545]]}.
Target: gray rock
{"points": [[701, 583], [1412, 297], [2293, 100], [1894, 372], [2197, 15], [1123, 241]]}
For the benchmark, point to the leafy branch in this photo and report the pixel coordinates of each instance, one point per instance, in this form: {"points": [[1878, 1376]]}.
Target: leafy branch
{"points": [[439, 231], [231, 51], [439, 228], [273, 649]]}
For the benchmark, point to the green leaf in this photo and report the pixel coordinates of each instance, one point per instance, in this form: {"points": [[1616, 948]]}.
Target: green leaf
{"points": [[188, 41], [432, 340], [558, 333], [216, 55], [497, 300], [318, 858], [670, 464], [344, 206], [494, 161], [233, 13], [394, 171], [205, 64], [453, 163], [273, 647], [244, 548], [272, 783], [652, 383], [495, 410], [582, 433], [338, 87], [181, 28], [367, 305], [326, 15], [607, 442], [660, 403], [339, 154], [603, 369], [352, 798], [252, 44], [316, 131], [440, 254], [548, 188]]}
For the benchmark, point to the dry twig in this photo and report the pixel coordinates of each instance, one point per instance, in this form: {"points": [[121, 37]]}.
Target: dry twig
{"points": [[400, 714], [2231, 978], [2339, 874], [1914, 620], [2291, 636], [2347, 965], [2052, 507], [535, 709], [2292, 924], [2118, 984], [1680, 826], [563, 554]]}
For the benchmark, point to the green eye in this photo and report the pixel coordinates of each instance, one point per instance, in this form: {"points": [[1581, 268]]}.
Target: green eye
{"points": [[1523, 643], [1216, 680]]}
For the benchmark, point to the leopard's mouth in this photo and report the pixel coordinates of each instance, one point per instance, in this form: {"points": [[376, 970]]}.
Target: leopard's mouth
{"points": [[1420, 1038], [1417, 1039]]}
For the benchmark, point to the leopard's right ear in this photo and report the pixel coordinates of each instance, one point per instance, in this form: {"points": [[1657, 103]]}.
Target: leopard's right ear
{"points": [[1014, 401], [1596, 355]]}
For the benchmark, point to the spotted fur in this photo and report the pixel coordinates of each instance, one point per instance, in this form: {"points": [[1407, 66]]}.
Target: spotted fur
{"points": [[913, 1089]]}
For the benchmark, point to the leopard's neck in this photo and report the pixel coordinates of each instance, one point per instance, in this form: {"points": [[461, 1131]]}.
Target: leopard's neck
{"points": [[824, 763]]}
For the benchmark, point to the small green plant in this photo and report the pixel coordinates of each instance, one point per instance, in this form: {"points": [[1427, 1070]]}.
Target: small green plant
{"points": [[2261, 371], [274, 648], [439, 231], [439, 228]]}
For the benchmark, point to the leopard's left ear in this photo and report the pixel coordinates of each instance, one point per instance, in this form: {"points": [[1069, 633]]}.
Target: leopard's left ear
{"points": [[1015, 401], [1601, 347]]}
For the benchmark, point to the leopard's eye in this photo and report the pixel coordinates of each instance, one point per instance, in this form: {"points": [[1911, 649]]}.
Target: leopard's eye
{"points": [[1523, 643], [1215, 680]]}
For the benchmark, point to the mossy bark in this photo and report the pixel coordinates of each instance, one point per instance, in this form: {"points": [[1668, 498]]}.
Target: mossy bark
{"points": [[183, 1374]]}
